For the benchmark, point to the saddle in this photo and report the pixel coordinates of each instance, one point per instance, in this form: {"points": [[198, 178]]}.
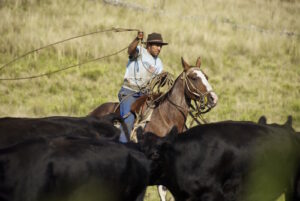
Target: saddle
{"points": [[142, 108]]}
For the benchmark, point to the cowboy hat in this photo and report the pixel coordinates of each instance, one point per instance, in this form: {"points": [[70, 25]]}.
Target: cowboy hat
{"points": [[155, 38]]}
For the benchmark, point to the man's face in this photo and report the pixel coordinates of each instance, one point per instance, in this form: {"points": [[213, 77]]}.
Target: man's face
{"points": [[154, 49]]}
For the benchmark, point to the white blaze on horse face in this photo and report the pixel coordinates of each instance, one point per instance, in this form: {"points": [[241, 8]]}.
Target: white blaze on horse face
{"points": [[204, 80]]}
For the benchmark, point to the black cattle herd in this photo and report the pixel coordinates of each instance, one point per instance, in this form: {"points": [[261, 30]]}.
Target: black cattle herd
{"points": [[69, 158]]}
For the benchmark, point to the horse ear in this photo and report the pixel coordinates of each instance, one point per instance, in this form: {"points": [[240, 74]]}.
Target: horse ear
{"points": [[185, 65], [198, 62]]}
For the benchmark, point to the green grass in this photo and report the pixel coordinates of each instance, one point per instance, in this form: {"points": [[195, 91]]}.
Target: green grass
{"points": [[252, 66]]}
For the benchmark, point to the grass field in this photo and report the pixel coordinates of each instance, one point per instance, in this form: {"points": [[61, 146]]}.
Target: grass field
{"points": [[250, 50]]}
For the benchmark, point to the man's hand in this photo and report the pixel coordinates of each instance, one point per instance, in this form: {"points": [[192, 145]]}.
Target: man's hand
{"points": [[140, 35], [132, 47]]}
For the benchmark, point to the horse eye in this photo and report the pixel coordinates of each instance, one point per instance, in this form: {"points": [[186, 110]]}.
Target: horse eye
{"points": [[194, 77]]}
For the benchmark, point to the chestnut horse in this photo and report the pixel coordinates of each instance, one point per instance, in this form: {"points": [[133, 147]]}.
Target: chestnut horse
{"points": [[172, 110]]}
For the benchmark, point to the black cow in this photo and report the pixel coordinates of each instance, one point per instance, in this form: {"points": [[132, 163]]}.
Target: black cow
{"points": [[226, 161], [14, 130], [72, 168]]}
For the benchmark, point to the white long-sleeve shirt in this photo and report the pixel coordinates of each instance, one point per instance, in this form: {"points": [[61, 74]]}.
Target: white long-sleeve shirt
{"points": [[140, 70]]}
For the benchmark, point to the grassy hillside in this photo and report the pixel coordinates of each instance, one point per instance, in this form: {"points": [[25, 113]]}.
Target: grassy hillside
{"points": [[250, 50]]}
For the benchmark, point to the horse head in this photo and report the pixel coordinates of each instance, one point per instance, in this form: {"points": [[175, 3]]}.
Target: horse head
{"points": [[196, 85]]}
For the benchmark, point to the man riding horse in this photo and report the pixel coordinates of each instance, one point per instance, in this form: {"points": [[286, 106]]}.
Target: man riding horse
{"points": [[143, 64], [171, 108]]}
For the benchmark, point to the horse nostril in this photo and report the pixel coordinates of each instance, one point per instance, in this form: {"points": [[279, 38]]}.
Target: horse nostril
{"points": [[213, 98]]}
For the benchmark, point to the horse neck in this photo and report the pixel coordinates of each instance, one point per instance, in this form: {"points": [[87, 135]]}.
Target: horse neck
{"points": [[176, 102], [177, 95]]}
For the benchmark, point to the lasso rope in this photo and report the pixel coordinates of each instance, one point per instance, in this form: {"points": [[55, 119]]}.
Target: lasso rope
{"points": [[62, 69], [158, 86], [68, 67]]}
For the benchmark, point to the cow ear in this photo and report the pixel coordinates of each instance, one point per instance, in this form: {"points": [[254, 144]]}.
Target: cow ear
{"points": [[168, 140], [289, 121], [174, 130], [172, 134], [139, 134], [185, 65], [262, 120]]}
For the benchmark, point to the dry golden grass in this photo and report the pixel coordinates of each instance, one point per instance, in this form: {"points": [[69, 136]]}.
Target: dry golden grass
{"points": [[252, 65]]}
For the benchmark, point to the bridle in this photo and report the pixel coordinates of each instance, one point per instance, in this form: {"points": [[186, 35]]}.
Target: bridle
{"points": [[200, 99], [194, 94], [191, 92]]}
